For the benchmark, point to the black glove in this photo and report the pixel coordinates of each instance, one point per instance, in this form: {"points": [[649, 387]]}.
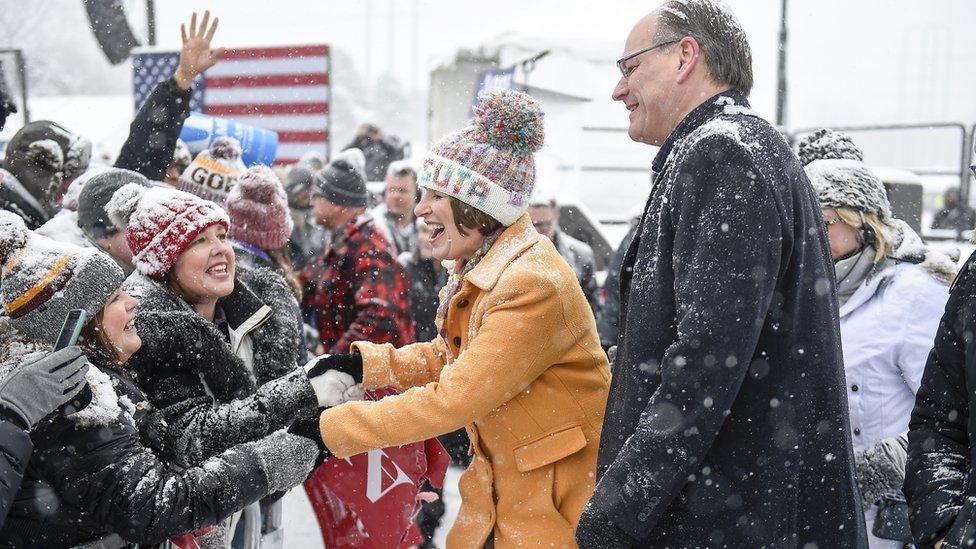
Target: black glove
{"points": [[308, 427], [38, 388], [351, 364], [597, 531]]}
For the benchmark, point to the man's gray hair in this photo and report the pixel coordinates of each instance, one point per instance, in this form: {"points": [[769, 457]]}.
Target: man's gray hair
{"points": [[722, 41]]}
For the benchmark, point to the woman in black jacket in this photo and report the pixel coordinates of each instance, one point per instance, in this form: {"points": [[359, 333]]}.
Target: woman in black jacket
{"points": [[90, 475], [221, 345], [939, 476]]}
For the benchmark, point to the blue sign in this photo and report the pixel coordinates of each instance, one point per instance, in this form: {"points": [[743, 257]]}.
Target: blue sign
{"points": [[492, 80]]}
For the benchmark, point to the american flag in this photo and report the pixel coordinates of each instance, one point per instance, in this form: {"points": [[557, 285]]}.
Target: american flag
{"points": [[283, 89]]}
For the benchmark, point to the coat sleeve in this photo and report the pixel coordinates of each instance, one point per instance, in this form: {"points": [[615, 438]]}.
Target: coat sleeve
{"points": [[938, 438], [189, 432], [411, 366], [381, 287], [726, 257], [118, 482], [474, 384], [15, 452], [153, 133]]}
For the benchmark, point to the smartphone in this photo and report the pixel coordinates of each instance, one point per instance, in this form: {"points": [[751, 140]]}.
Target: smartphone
{"points": [[73, 323]]}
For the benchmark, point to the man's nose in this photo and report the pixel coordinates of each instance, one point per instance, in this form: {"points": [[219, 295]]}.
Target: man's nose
{"points": [[620, 91]]}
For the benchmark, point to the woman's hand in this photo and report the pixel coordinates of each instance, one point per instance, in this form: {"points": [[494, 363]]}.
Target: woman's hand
{"points": [[196, 55]]}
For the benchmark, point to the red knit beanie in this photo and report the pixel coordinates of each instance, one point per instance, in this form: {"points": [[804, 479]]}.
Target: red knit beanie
{"points": [[258, 208], [160, 223]]}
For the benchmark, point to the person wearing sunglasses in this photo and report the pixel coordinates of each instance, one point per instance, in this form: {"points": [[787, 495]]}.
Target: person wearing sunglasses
{"points": [[727, 422]]}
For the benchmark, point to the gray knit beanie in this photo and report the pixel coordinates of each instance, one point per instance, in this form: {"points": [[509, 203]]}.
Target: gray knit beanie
{"points": [[343, 181], [92, 217], [835, 167], [43, 280]]}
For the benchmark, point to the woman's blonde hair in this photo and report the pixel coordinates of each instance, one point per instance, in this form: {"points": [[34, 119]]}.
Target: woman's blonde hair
{"points": [[882, 231]]}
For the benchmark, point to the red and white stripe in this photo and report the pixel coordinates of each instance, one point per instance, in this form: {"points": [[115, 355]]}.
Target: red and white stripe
{"points": [[283, 89]]}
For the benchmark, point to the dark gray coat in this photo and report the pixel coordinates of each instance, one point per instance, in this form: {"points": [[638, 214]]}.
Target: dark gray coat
{"points": [[727, 418]]}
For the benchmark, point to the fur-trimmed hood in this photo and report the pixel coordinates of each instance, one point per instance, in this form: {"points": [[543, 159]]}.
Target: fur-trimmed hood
{"points": [[907, 246]]}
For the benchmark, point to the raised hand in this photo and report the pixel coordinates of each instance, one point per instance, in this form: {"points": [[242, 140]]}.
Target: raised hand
{"points": [[197, 55]]}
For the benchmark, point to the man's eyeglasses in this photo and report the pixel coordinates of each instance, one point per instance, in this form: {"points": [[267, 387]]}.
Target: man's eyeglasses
{"points": [[622, 62]]}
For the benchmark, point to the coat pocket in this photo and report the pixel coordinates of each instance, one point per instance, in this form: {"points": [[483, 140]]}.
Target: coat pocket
{"points": [[550, 448]]}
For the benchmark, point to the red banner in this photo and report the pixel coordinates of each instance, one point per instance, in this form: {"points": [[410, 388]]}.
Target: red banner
{"points": [[370, 500]]}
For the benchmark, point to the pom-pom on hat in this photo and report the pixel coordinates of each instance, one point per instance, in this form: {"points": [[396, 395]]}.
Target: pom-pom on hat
{"points": [[489, 165], [214, 171], [160, 223], [835, 167], [41, 280], [258, 209]]}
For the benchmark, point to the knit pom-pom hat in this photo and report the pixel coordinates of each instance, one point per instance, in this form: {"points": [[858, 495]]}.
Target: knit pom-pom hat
{"points": [[489, 165], [258, 209], [214, 172], [42, 280], [160, 223], [835, 167]]}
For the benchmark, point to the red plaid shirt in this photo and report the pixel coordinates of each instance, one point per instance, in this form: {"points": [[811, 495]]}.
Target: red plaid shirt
{"points": [[357, 291]]}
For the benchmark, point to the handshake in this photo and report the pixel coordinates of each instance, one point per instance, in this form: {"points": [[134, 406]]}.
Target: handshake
{"points": [[336, 378]]}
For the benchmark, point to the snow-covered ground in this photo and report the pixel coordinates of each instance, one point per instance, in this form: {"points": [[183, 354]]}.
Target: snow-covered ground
{"points": [[302, 530]]}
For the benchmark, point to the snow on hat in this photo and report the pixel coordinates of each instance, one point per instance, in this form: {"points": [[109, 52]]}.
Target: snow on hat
{"points": [[258, 209], [835, 166], [343, 181], [42, 280], [214, 171], [489, 165], [97, 191], [181, 154], [161, 223]]}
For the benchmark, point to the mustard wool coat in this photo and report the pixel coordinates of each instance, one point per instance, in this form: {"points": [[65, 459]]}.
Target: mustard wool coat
{"points": [[522, 369]]}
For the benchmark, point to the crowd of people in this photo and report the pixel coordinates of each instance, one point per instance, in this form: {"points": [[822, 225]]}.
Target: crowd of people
{"points": [[779, 361]]}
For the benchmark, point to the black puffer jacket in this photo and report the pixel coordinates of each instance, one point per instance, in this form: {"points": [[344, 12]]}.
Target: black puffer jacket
{"points": [[90, 476], [15, 451], [207, 398], [940, 478]]}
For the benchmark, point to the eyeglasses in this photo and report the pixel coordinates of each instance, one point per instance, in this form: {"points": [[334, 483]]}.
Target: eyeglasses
{"points": [[831, 221], [622, 62]]}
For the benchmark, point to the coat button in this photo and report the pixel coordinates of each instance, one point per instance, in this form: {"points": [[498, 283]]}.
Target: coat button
{"points": [[462, 303], [857, 430], [854, 387], [457, 341]]}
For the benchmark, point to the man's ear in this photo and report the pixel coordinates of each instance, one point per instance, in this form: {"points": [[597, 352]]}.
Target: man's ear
{"points": [[690, 55]]}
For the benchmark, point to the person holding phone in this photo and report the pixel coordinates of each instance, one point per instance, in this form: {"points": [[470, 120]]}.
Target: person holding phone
{"points": [[90, 474]]}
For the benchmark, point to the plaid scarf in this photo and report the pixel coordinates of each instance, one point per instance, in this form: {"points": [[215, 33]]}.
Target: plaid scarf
{"points": [[461, 269]]}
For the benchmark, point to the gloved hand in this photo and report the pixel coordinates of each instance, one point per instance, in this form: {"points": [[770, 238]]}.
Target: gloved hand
{"points": [[308, 427], [595, 530], [330, 385], [38, 388], [351, 364], [881, 469]]}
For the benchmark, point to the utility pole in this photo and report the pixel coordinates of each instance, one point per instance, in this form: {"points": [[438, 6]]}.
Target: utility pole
{"points": [[781, 85], [415, 46], [151, 22], [368, 41]]}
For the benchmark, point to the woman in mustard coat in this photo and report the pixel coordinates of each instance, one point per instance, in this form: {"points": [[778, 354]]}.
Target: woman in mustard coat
{"points": [[517, 361]]}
